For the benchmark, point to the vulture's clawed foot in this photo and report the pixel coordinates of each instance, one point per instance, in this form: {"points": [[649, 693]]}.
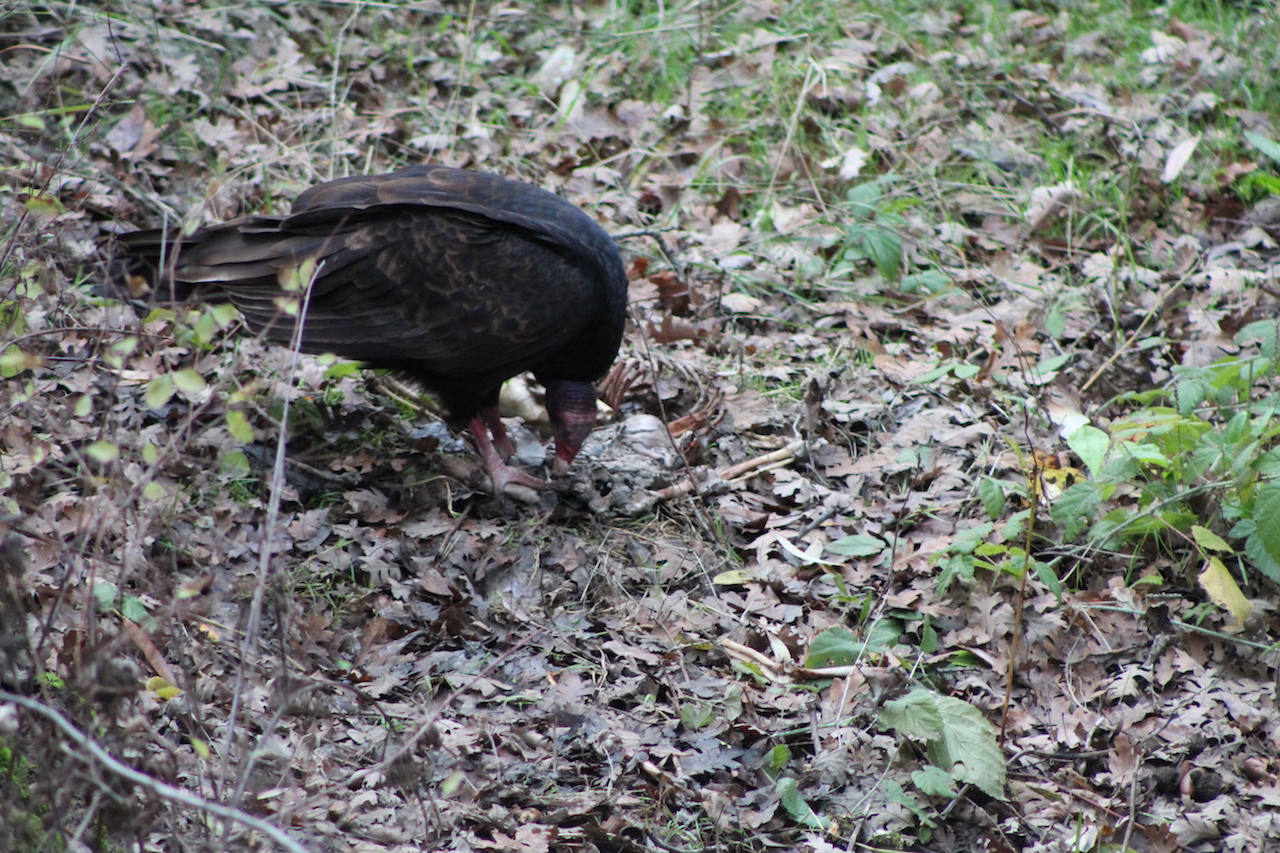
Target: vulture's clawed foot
{"points": [[518, 484], [515, 483]]}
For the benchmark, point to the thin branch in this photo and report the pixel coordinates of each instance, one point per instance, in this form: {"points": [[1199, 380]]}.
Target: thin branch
{"points": [[306, 275], [160, 789]]}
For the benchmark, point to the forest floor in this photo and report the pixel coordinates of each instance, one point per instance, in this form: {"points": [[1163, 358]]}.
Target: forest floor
{"points": [[967, 536]]}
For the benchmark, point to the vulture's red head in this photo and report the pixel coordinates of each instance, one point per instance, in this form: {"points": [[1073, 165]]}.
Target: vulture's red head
{"points": [[571, 407]]}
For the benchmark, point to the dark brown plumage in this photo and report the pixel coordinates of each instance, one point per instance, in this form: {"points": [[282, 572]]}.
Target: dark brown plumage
{"points": [[457, 279]]}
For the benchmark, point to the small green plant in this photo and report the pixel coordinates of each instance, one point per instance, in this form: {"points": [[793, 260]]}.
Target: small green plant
{"points": [[839, 646], [871, 230], [958, 742], [1193, 471], [957, 739]]}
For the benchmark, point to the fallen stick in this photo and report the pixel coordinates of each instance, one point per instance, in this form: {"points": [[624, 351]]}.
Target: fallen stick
{"points": [[733, 475]]}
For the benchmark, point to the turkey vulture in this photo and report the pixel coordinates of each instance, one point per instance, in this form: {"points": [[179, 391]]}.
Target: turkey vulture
{"points": [[456, 279]]}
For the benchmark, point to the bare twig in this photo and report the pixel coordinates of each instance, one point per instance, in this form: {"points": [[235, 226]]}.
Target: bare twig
{"points": [[735, 474], [1155, 308], [250, 646], [827, 514], [1133, 801], [776, 459]]}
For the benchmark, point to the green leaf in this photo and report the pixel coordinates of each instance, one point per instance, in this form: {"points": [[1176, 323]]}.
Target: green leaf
{"points": [[1048, 577], [159, 390], [857, 545], [1076, 508], [967, 660], [884, 247], [841, 647], [1208, 540], [341, 369], [931, 376], [1223, 590], [696, 715], [1014, 527], [968, 540], [1266, 513], [159, 314], [453, 782], [834, 647], [1188, 396], [968, 749], [204, 328], [991, 493], [915, 716], [957, 737], [189, 382], [1262, 561], [1091, 445], [884, 635], [223, 315], [779, 757], [1268, 464], [12, 317], [1054, 363], [43, 205], [124, 346], [297, 278], [105, 593], [928, 637], [1269, 147], [929, 281], [235, 465], [733, 577], [238, 426], [796, 806], [864, 196], [1265, 333], [1055, 321], [953, 568], [934, 782], [162, 689], [1238, 429], [102, 451], [893, 793], [14, 361], [1266, 184], [1177, 517], [133, 609]]}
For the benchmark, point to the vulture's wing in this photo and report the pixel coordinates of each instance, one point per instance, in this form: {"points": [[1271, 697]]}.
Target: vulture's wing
{"points": [[461, 272]]}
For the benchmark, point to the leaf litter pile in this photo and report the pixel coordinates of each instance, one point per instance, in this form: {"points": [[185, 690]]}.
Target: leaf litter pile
{"points": [[934, 508]]}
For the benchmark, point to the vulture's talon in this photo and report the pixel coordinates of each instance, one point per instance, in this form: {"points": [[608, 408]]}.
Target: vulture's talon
{"points": [[522, 493]]}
